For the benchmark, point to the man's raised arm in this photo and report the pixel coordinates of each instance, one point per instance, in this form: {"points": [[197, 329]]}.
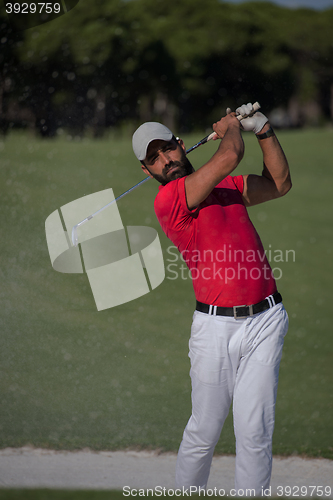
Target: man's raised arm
{"points": [[230, 152], [275, 180]]}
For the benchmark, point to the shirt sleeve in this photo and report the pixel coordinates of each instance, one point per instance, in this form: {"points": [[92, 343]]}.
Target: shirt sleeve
{"points": [[239, 182], [171, 207]]}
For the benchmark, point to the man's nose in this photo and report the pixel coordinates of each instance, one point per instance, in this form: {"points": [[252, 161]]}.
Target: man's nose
{"points": [[164, 157]]}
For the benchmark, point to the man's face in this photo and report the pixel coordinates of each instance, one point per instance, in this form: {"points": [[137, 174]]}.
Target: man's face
{"points": [[166, 161]]}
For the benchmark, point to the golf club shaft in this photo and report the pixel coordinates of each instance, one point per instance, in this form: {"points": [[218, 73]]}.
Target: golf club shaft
{"points": [[74, 230], [210, 136]]}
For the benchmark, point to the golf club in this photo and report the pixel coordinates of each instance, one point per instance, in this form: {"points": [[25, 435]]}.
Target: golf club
{"points": [[210, 136]]}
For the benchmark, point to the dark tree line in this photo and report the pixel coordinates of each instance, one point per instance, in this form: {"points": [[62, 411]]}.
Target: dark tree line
{"points": [[115, 63]]}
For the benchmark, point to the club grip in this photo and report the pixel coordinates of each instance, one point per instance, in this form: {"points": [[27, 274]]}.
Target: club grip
{"points": [[256, 107]]}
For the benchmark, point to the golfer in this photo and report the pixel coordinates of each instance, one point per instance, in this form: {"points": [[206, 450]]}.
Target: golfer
{"points": [[240, 322]]}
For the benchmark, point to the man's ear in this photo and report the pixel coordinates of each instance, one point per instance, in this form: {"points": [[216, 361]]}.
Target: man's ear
{"points": [[145, 169], [181, 143]]}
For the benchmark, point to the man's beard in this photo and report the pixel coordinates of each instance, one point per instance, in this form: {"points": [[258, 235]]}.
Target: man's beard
{"points": [[184, 168]]}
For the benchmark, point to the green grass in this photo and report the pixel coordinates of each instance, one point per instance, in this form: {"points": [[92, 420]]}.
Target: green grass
{"points": [[72, 377]]}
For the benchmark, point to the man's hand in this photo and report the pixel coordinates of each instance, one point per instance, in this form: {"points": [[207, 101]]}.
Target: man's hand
{"points": [[220, 128], [254, 123]]}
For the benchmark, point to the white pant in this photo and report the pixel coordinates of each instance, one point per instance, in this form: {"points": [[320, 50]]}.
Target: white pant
{"points": [[239, 359]]}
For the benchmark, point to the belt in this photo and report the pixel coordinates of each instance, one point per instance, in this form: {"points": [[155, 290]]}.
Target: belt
{"points": [[239, 312]]}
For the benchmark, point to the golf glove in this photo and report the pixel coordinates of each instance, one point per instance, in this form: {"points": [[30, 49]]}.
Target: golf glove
{"points": [[254, 123]]}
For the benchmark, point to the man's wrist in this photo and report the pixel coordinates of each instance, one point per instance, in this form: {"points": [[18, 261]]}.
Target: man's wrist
{"points": [[265, 128], [265, 135]]}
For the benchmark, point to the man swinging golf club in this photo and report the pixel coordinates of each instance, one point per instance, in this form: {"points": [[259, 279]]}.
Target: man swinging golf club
{"points": [[235, 349]]}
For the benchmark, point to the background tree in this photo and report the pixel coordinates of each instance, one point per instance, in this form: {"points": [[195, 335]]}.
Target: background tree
{"points": [[115, 63]]}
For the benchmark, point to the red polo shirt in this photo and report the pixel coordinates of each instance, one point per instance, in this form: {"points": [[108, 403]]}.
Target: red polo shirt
{"points": [[218, 243]]}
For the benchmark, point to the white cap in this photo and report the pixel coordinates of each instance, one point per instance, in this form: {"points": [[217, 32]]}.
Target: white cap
{"points": [[145, 134]]}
